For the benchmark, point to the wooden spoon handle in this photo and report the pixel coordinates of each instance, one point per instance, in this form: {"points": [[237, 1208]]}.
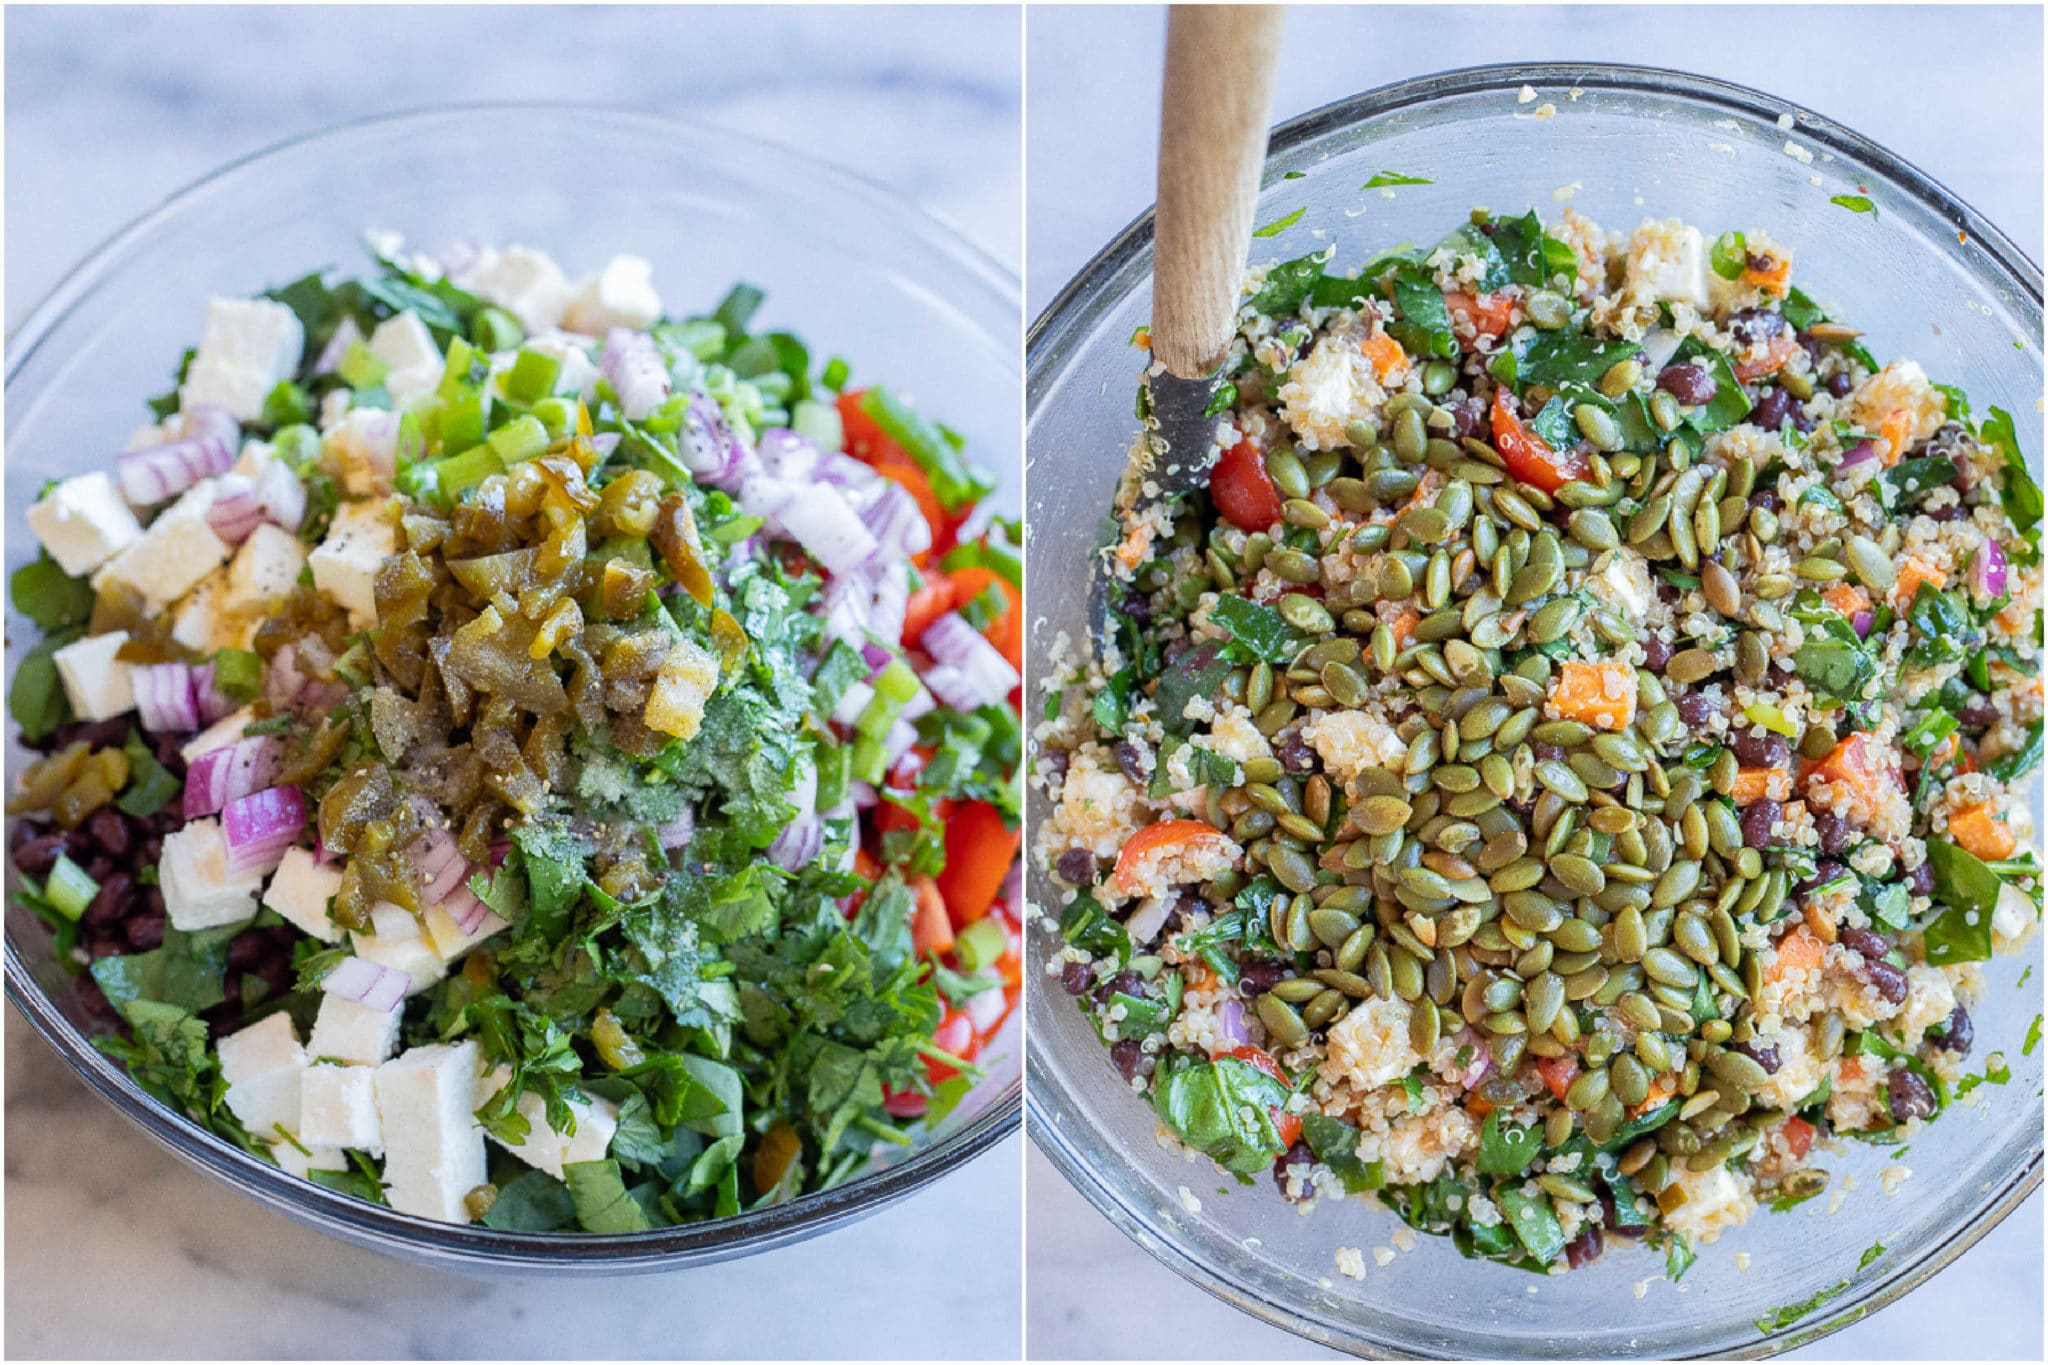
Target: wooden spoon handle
{"points": [[1212, 145]]}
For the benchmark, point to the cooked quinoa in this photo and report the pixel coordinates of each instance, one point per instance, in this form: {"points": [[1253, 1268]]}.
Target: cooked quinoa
{"points": [[1562, 780]]}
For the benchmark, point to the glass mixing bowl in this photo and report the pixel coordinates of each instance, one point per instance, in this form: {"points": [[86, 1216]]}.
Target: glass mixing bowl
{"points": [[1926, 277], [854, 269]]}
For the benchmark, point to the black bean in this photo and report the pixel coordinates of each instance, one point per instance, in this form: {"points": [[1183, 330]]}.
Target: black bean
{"points": [[1055, 763], [1773, 406], [1766, 498], [248, 950], [1977, 714], [1656, 653], [110, 830], [1295, 755], [1076, 978], [1694, 708], [94, 1001], [1825, 871], [1131, 1060], [1756, 324], [1689, 384], [144, 932], [1867, 942], [1131, 759], [277, 973], [1468, 415], [1920, 881], [1833, 831], [1176, 650], [1297, 1158], [1958, 1033], [102, 734], [1256, 978], [99, 867], [1759, 751], [1838, 385], [1076, 867], [1910, 1096], [106, 943], [1125, 983], [1757, 819], [1585, 1248], [1552, 752], [1765, 1057], [112, 902], [39, 854], [1889, 980]]}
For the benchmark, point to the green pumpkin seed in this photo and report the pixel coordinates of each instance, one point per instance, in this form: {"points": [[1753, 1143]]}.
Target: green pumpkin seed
{"points": [[1819, 569], [1292, 869], [1327, 1006], [1294, 566], [1668, 968], [1283, 1025], [1305, 613], [1284, 468], [1743, 1072], [1872, 565], [1582, 875]]}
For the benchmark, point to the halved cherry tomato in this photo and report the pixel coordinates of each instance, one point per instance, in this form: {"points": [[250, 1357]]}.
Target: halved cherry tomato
{"points": [[979, 851], [1798, 1136], [1242, 489], [1528, 457], [1486, 314], [1558, 1074], [904, 1104], [1165, 834], [931, 928]]}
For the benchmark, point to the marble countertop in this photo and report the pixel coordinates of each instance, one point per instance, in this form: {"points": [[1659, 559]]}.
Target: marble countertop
{"points": [[1096, 70], [106, 113]]}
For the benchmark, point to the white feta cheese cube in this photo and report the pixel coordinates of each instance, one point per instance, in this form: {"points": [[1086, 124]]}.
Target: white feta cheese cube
{"points": [[620, 295], [362, 446], [99, 685], [408, 351], [352, 1032], [198, 892], [434, 1147], [524, 282], [83, 523], [262, 1065], [338, 1108], [399, 943], [1666, 263], [346, 563], [218, 735], [246, 348], [206, 622], [265, 569], [172, 557], [302, 1160], [300, 891], [447, 936], [596, 1120]]}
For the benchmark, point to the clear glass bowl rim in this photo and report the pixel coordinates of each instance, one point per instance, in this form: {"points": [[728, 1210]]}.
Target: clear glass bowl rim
{"points": [[1067, 324], [371, 1224]]}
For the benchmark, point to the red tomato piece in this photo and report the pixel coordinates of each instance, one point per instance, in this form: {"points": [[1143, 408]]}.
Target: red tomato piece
{"points": [[1527, 455], [1242, 489]]}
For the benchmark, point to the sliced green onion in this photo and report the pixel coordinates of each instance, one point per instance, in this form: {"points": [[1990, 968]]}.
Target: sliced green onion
{"points": [[69, 889], [835, 766], [880, 714], [819, 423], [462, 421], [522, 438], [456, 473], [238, 673], [455, 374], [896, 682], [532, 376], [496, 330], [558, 415], [286, 405], [870, 759], [360, 368], [980, 943], [835, 374]]}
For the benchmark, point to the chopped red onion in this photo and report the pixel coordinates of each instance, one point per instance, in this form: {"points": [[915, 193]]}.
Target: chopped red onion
{"points": [[367, 983], [1482, 1060], [1012, 892], [897, 524], [969, 672], [986, 1008], [863, 795], [337, 346], [921, 703], [1857, 453], [678, 832], [500, 850], [1862, 622], [465, 909], [259, 827], [803, 838], [707, 446], [166, 697], [902, 735], [604, 443], [158, 473], [876, 657], [1987, 571], [1230, 1028], [236, 509], [207, 420], [632, 364], [231, 772], [825, 525], [214, 704], [441, 864]]}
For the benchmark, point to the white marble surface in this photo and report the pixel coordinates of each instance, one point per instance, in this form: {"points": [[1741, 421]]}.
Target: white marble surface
{"points": [[1092, 90], [106, 113]]}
